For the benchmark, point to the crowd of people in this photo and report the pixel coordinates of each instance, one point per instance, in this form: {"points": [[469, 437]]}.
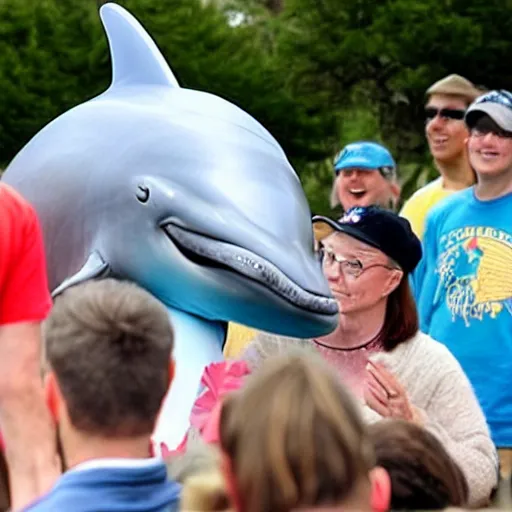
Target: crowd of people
{"points": [[405, 405]]}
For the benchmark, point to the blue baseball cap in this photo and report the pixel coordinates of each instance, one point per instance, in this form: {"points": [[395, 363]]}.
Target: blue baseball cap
{"points": [[365, 155]]}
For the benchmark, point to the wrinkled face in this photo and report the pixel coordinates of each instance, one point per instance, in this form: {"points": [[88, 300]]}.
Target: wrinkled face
{"points": [[361, 187], [360, 276], [490, 149], [446, 136]]}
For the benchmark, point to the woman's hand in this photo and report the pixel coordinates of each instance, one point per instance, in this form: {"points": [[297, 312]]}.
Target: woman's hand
{"points": [[386, 396]]}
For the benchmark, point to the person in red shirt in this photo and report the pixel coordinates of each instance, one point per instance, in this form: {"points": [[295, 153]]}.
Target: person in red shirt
{"points": [[28, 435]]}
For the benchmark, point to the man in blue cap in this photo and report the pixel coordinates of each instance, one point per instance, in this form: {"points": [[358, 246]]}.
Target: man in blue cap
{"points": [[365, 175]]}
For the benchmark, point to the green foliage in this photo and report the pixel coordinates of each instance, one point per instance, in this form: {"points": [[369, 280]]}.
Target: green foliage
{"points": [[53, 55], [382, 56], [43, 72], [317, 73]]}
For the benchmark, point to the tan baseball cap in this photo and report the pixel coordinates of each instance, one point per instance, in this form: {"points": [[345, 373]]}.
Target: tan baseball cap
{"points": [[455, 85]]}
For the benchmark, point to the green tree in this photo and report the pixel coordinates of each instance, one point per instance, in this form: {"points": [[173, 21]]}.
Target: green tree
{"points": [[382, 56], [53, 55], [43, 71]]}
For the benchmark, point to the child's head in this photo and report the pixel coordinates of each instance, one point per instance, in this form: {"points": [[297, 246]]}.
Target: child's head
{"points": [[293, 438], [423, 475]]}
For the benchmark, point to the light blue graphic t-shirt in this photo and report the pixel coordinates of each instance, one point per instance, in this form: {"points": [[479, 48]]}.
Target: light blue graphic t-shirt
{"points": [[463, 289]]}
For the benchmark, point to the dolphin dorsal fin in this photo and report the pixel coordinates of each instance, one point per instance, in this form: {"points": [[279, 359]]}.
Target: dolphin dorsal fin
{"points": [[136, 59]]}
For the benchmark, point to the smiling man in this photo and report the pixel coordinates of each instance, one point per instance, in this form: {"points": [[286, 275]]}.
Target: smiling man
{"points": [[447, 101], [463, 283], [365, 176]]}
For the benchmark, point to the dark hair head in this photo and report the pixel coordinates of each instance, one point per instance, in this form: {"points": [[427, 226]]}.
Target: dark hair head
{"points": [[423, 475], [109, 344]]}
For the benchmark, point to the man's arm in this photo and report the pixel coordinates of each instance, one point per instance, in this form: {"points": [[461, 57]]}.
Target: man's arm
{"points": [[29, 437], [28, 434]]}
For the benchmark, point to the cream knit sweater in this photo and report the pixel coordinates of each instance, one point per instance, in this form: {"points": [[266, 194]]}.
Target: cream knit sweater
{"points": [[437, 385]]}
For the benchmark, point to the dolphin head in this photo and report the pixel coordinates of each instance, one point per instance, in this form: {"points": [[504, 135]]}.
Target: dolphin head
{"points": [[179, 191]]}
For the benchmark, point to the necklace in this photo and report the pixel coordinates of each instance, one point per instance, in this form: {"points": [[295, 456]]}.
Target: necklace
{"points": [[350, 349]]}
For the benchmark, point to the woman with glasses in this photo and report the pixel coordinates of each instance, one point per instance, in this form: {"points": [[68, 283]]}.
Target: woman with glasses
{"points": [[394, 370]]}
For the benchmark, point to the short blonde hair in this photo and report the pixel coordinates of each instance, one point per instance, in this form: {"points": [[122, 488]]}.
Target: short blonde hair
{"points": [[205, 492], [456, 85], [295, 438], [197, 459]]}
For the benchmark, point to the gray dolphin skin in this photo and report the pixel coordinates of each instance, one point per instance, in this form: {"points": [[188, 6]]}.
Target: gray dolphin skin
{"points": [[184, 194], [178, 190]]}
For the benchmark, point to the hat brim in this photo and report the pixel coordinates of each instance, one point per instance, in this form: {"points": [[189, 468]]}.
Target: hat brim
{"points": [[323, 227], [500, 114], [359, 162]]}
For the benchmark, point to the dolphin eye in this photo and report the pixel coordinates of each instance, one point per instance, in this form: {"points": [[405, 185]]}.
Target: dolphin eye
{"points": [[143, 193]]}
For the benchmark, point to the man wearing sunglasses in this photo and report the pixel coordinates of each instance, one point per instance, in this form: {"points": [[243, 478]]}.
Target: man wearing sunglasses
{"points": [[463, 285], [446, 133]]}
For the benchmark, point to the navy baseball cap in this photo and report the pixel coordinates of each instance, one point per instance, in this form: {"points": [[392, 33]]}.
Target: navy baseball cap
{"points": [[379, 228], [365, 155]]}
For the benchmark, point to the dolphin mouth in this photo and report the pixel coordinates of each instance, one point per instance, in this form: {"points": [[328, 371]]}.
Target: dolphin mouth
{"points": [[210, 252]]}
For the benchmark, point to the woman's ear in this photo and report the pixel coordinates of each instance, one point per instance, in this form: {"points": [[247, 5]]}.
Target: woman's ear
{"points": [[391, 284], [380, 482]]}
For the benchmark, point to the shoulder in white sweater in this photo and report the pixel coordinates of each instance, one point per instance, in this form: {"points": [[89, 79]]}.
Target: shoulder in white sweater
{"points": [[436, 384]]}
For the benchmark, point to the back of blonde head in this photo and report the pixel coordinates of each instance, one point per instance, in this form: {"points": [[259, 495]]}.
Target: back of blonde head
{"points": [[294, 438]]}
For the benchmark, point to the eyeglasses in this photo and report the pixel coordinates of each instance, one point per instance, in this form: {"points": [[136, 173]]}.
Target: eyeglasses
{"points": [[353, 268], [500, 96], [444, 113]]}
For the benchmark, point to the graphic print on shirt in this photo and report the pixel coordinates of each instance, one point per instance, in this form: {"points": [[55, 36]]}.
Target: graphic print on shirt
{"points": [[475, 273]]}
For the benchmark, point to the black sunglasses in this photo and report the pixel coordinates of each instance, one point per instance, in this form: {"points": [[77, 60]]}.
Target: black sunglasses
{"points": [[445, 113]]}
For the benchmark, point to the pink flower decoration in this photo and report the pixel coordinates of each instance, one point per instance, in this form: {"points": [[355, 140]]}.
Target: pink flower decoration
{"points": [[218, 379]]}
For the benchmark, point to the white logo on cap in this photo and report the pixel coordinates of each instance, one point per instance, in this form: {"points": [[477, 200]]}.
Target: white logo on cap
{"points": [[353, 216]]}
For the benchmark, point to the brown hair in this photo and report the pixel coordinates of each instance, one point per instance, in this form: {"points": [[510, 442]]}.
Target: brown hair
{"points": [[295, 438], [5, 495], [401, 322], [423, 475], [109, 344]]}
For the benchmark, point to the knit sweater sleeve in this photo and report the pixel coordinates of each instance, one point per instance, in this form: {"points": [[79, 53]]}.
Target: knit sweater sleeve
{"points": [[439, 388], [453, 414]]}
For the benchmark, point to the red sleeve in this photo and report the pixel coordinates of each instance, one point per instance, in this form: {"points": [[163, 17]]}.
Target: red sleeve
{"points": [[24, 294]]}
